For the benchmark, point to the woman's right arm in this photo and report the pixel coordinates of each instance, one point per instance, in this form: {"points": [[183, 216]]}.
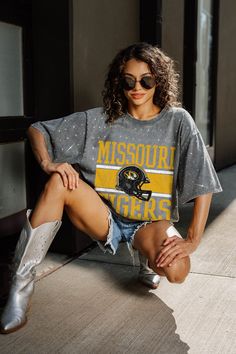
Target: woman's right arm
{"points": [[69, 175]]}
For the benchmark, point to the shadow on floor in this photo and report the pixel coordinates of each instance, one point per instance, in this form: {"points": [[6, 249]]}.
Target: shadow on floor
{"points": [[7, 247], [98, 309], [148, 321]]}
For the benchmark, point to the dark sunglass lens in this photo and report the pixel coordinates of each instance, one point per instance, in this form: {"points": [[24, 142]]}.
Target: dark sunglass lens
{"points": [[148, 82], [128, 83]]}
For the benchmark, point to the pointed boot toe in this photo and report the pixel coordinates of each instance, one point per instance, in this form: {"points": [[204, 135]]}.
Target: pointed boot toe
{"points": [[11, 323], [150, 280]]}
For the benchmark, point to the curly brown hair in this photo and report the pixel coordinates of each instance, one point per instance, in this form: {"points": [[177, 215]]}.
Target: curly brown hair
{"points": [[161, 67]]}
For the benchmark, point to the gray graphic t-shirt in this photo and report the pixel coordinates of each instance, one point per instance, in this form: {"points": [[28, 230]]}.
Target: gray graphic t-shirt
{"points": [[142, 168]]}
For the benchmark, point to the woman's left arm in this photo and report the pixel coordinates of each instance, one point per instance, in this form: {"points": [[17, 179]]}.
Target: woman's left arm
{"points": [[175, 248]]}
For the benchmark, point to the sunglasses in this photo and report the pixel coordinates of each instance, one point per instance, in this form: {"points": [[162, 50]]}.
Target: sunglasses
{"points": [[128, 83]]}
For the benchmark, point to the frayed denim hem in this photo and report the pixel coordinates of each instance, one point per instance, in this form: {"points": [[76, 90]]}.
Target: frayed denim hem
{"points": [[130, 243], [107, 245]]}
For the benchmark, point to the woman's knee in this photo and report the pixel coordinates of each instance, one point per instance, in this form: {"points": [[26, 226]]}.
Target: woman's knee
{"points": [[55, 185], [178, 272], [176, 278]]}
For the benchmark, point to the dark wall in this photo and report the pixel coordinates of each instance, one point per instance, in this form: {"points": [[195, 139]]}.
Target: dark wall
{"points": [[51, 75], [172, 39], [53, 96], [100, 29], [51, 58], [225, 141]]}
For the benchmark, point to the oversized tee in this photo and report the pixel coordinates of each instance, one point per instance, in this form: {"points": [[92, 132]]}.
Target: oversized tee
{"points": [[143, 169]]}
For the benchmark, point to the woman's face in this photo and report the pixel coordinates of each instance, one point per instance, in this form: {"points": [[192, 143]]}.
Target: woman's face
{"points": [[138, 95]]}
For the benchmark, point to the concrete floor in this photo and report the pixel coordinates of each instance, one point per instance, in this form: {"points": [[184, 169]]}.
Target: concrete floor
{"points": [[94, 304]]}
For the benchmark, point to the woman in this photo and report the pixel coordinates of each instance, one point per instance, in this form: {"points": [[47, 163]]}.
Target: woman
{"points": [[139, 157]]}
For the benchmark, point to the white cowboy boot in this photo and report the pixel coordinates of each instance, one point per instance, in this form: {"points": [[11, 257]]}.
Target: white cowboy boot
{"points": [[146, 275], [31, 249]]}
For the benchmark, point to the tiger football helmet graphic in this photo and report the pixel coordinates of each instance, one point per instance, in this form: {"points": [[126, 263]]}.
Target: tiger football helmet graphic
{"points": [[131, 179]]}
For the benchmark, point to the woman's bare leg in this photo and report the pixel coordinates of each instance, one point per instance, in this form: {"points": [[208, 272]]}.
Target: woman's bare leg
{"points": [[87, 212], [149, 241], [83, 206]]}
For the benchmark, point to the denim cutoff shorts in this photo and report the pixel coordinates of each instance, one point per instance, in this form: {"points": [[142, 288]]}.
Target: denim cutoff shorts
{"points": [[120, 231], [124, 231]]}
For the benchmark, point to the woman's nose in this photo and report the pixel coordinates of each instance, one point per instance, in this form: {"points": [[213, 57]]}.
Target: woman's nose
{"points": [[137, 85]]}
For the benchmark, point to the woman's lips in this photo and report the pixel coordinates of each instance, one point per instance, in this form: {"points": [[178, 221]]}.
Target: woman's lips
{"points": [[137, 95]]}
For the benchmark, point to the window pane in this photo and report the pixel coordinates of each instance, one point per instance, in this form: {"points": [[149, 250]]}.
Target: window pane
{"points": [[203, 69], [11, 83], [12, 177]]}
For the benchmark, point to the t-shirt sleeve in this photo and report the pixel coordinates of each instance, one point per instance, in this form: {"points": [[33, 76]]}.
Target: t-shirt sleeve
{"points": [[64, 137], [196, 173]]}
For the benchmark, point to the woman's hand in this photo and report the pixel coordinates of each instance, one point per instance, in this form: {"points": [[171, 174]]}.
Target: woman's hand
{"points": [[174, 248], [69, 175]]}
